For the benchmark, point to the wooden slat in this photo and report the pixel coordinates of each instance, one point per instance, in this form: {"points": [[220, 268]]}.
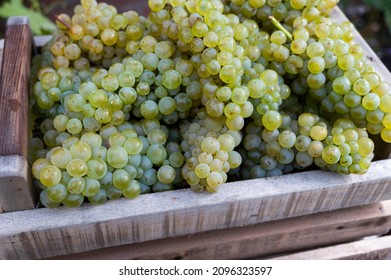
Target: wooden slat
{"points": [[261, 239], [376, 248], [1, 52], [43, 233], [14, 87], [16, 192]]}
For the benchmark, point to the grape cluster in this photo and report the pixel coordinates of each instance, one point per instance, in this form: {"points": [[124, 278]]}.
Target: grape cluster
{"points": [[197, 93]]}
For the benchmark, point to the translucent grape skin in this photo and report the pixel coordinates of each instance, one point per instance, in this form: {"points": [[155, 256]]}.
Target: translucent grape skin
{"points": [[245, 89]]}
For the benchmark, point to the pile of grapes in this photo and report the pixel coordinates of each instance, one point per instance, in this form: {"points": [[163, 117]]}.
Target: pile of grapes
{"points": [[197, 93]]}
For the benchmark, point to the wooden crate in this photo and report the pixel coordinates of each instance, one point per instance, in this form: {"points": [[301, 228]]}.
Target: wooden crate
{"points": [[181, 223]]}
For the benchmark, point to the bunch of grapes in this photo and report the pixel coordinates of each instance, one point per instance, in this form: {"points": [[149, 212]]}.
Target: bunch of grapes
{"points": [[197, 93]]}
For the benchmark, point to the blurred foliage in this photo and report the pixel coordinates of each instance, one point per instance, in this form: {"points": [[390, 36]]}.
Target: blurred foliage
{"points": [[383, 6], [39, 23], [372, 18]]}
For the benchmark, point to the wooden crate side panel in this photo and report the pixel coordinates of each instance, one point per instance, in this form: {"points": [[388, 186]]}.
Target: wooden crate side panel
{"points": [[376, 248], [259, 240], [14, 87], [16, 191], [43, 233]]}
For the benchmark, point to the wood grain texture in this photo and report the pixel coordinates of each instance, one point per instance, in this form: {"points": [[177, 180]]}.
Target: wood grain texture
{"points": [[374, 248], [15, 179], [43, 233], [259, 240], [14, 87], [16, 192]]}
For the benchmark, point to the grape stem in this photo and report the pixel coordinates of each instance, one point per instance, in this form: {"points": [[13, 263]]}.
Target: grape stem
{"points": [[277, 24], [63, 22]]}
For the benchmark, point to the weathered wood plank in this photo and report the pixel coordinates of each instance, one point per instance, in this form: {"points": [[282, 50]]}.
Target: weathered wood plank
{"points": [[377, 248], [261, 239], [43, 233], [16, 192]]}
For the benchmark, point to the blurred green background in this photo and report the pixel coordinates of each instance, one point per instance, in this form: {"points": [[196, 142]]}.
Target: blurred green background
{"points": [[372, 18]]}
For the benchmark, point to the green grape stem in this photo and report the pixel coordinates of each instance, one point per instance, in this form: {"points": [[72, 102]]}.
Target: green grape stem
{"points": [[277, 24]]}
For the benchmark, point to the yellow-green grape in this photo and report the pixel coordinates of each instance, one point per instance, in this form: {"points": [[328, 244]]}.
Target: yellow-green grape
{"points": [[156, 5], [171, 79], [228, 74], [302, 143], [386, 134], [72, 51], [121, 179], [386, 121], [73, 200], [50, 175], [74, 126], [109, 36], [132, 190], [316, 65], [45, 200], [75, 185], [227, 142], [350, 134], [61, 157], [385, 103], [110, 82], [133, 146], [117, 139], [100, 197], [202, 170], [361, 87], [77, 168], [81, 151], [93, 140], [234, 159], [272, 120], [287, 139], [346, 62], [156, 153], [38, 165], [117, 156], [214, 180], [341, 85], [60, 122], [210, 145], [91, 187], [149, 109], [166, 174], [371, 101], [269, 77], [97, 168], [303, 159], [315, 149], [157, 136], [365, 146], [331, 154], [216, 165], [74, 102], [98, 98], [57, 193], [318, 133], [307, 119]]}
